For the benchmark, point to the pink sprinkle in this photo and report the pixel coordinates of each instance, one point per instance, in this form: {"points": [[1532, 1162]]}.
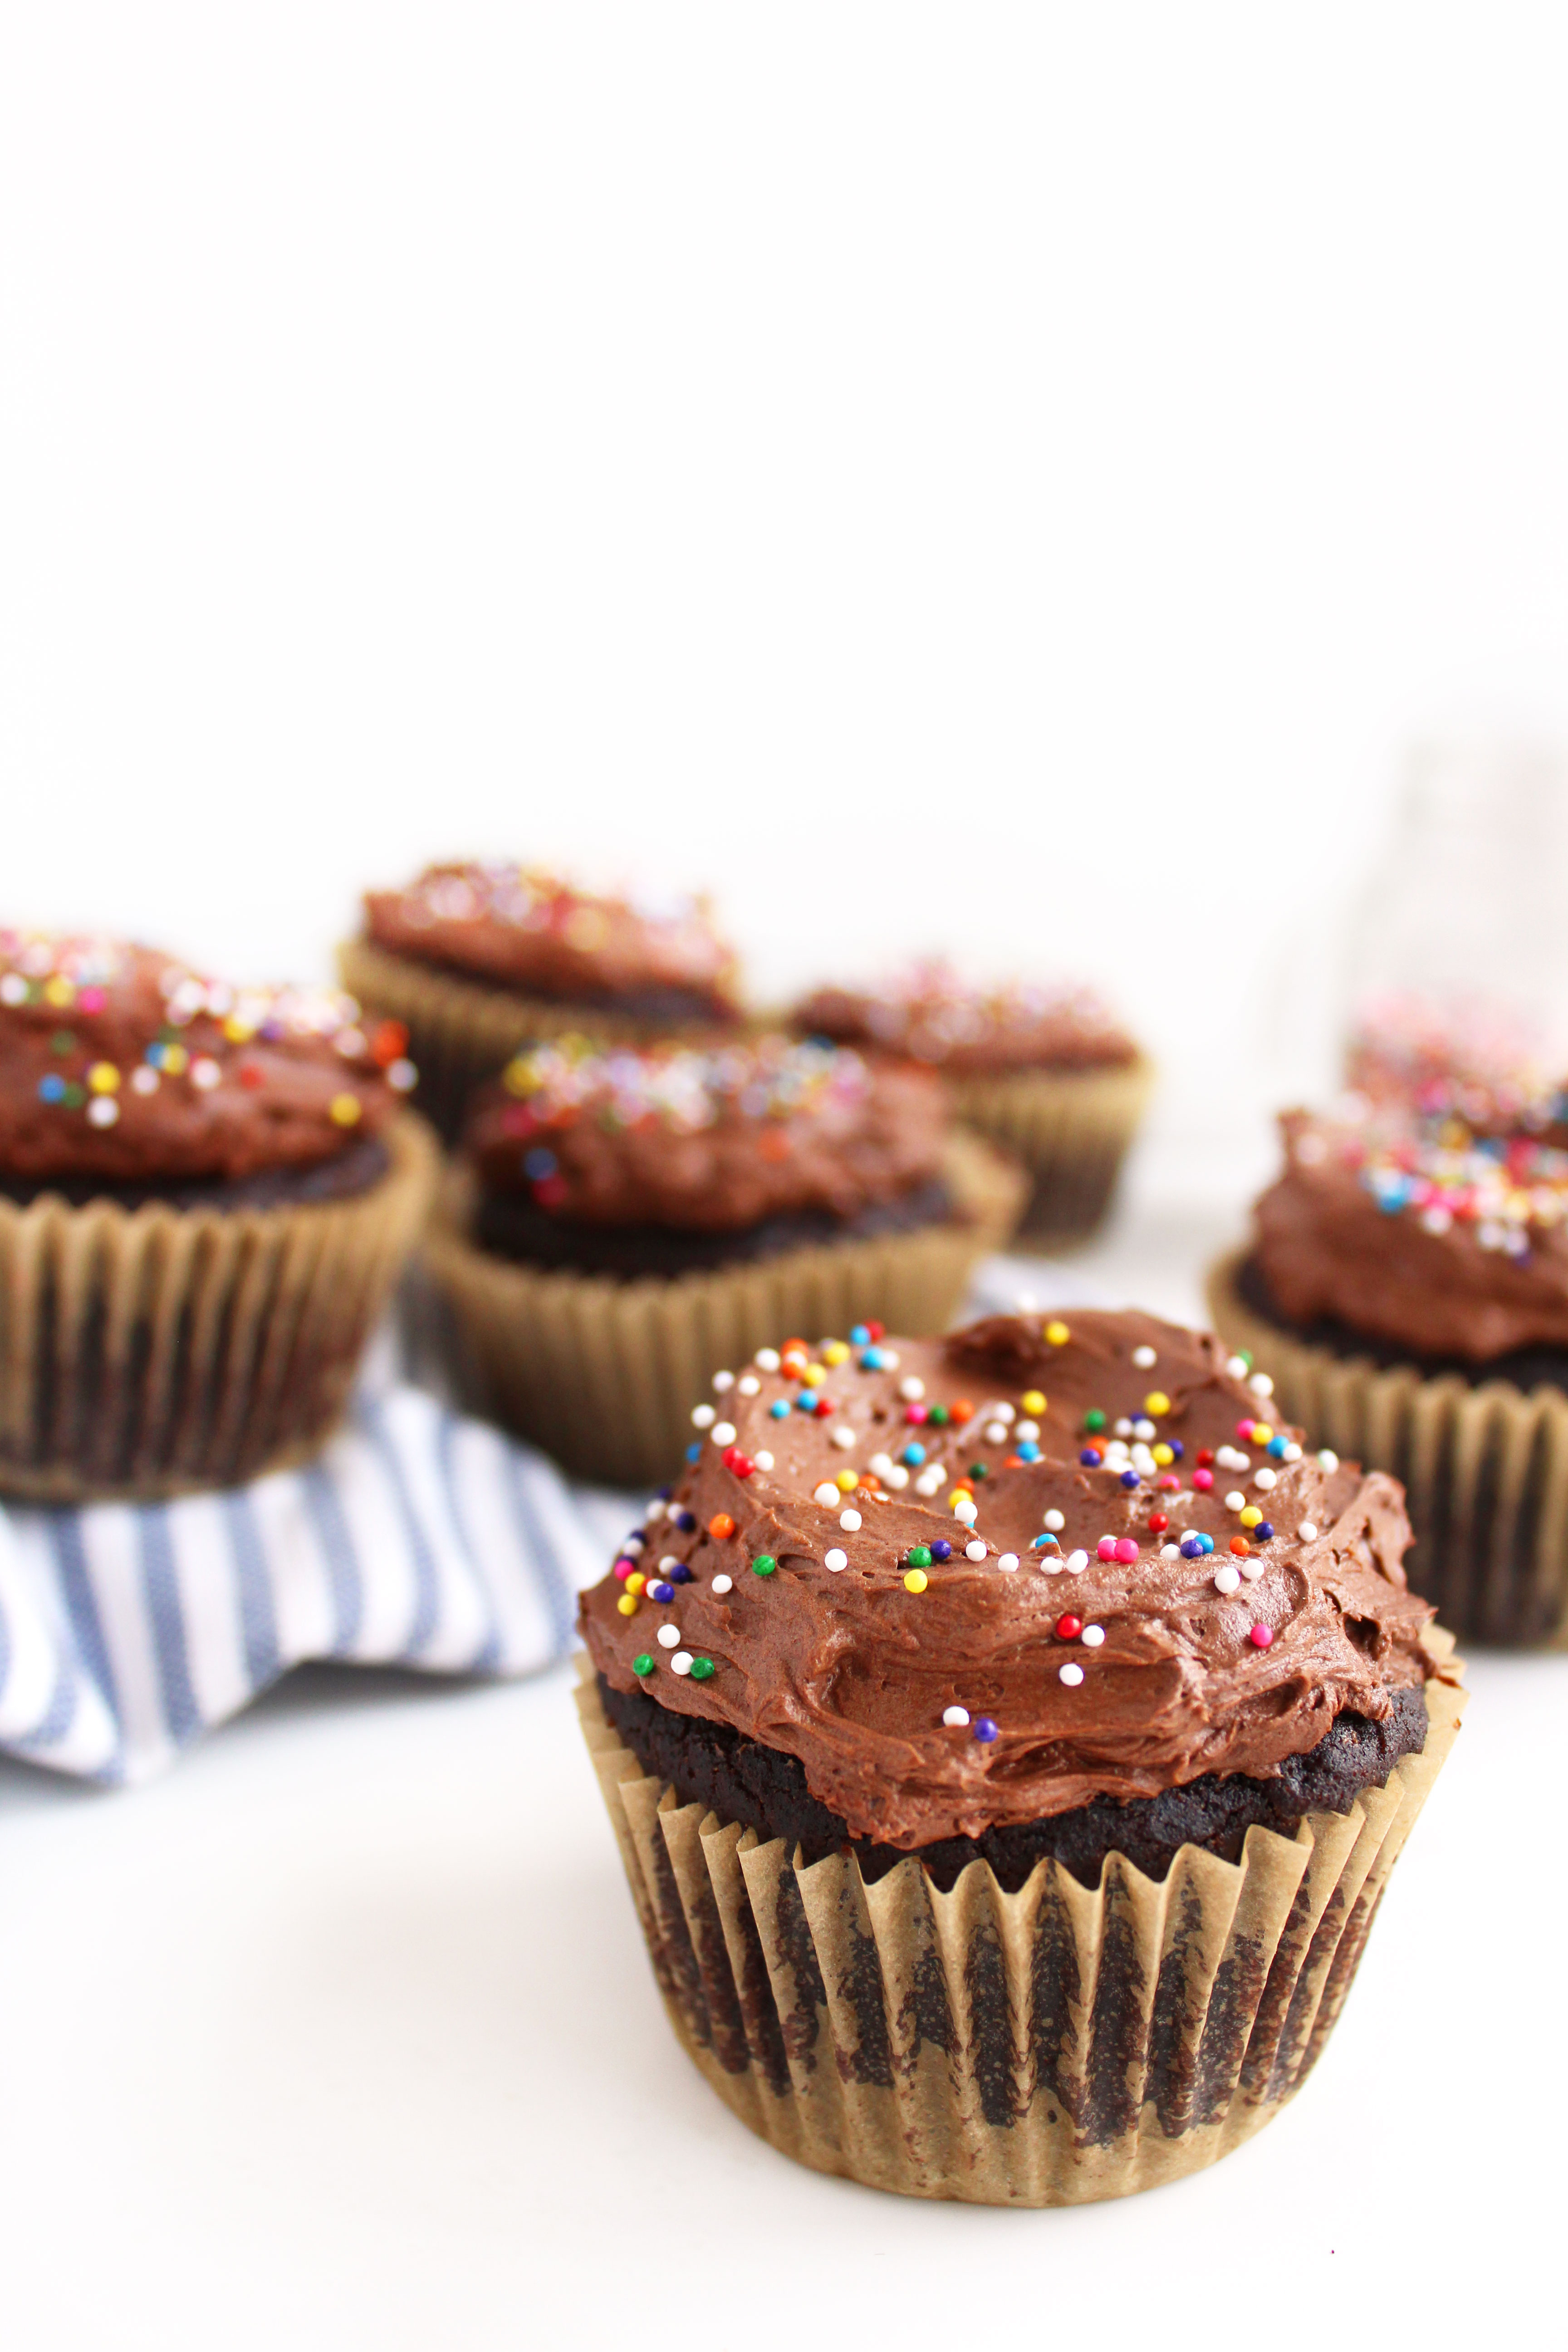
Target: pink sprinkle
{"points": [[1203, 1480], [91, 1000], [624, 1569], [1106, 1548], [1126, 1548], [916, 1414], [1169, 1483], [1244, 1429], [1261, 1636]]}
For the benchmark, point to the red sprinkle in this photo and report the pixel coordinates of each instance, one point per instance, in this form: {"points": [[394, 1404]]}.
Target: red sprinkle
{"points": [[1068, 1628], [1158, 1523], [823, 1408], [1205, 1456], [878, 1331], [1261, 1637], [251, 1074], [740, 1464]]}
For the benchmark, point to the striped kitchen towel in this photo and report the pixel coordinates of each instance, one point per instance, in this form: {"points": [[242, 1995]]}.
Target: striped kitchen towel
{"points": [[419, 1539]]}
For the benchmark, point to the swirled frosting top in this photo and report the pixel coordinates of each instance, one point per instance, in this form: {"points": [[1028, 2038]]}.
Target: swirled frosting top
{"points": [[930, 1015], [987, 1578]]}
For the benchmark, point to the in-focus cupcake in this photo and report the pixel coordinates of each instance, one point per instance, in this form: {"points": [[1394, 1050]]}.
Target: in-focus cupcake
{"points": [[1008, 1738], [478, 960], [620, 1224], [207, 1193], [1407, 1282], [1046, 1073]]}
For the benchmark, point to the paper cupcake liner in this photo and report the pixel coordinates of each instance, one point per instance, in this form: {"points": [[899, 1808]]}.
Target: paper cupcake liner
{"points": [[1050, 2047], [1484, 1469], [604, 1373], [1070, 1128], [146, 1352], [462, 1033]]}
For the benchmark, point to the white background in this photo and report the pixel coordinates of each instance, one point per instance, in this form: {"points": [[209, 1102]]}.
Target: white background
{"points": [[1010, 479]]}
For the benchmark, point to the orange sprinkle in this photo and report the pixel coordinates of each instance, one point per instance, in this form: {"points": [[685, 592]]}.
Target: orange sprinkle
{"points": [[961, 1410], [720, 1525], [1240, 1546]]}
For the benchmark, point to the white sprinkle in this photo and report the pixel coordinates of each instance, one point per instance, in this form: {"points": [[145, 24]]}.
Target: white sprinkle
{"points": [[1227, 1580], [975, 1550], [668, 1562], [889, 1359], [634, 1546], [835, 1560], [763, 1461], [723, 1584], [882, 1464], [1054, 1523], [1143, 1358], [13, 989], [1144, 1429], [1264, 1479], [850, 1522], [143, 1081], [1252, 1569], [656, 1510], [1235, 1500], [1009, 1560], [206, 1074], [1071, 1674], [403, 1076], [1052, 1562], [766, 1359], [896, 1477], [1076, 1562], [911, 1389], [929, 1480], [1170, 1551], [844, 1436], [955, 1717], [828, 1493], [1028, 1430], [723, 1380], [681, 1662], [1292, 1453], [1236, 1368], [102, 1111], [1092, 1636], [669, 1637], [1307, 1531], [967, 1512], [1007, 1412], [1327, 1461], [723, 1432], [1231, 1458], [1123, 1427], [1260, 1384], [702, 1416], [748, 1384], [997, 1433]]}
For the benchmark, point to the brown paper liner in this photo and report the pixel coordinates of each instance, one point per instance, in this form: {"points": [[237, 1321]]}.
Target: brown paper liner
{"points": [[1484, 1469], [148, 1352], [604, 1373], [1072, 1130], [1050, 2047], [461, 1032]]}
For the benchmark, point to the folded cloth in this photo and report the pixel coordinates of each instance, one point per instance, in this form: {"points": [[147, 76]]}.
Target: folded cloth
{"points": [[419, 1539]]}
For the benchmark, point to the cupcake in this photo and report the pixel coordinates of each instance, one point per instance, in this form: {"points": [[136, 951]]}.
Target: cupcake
{"points": [[1412, 1058], [620, 1225], [1407, 1282], [207, 1195], [1004, 1797], [478, 960], [1045, 1073]]}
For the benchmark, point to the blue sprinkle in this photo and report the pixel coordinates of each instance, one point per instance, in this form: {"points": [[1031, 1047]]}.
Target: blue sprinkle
{"points": [[1193, 1548], [780, 1408], [913, 1455], [1026, 1450], [806, 1401], [873, 1361], [539, 1164], [1047, 1539], [858, 1334], [1276, 1447], [1177, 1448], [682, 1575], [686, 1520], [52, 1089], [1262, 1532], [661, 1591], [637, 1535], [941, 1549], [1208, 1543], [984, 1729], [1089, 1458], [1129, 1477], [665, 1492], [693, 1453]]}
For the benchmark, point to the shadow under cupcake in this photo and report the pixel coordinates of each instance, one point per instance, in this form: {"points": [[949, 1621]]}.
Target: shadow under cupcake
{"points": [[621, 1224]]}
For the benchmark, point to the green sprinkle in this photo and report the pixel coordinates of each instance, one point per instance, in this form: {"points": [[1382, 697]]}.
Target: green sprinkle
{"points": [[1246, 1354], [642, 1663], [700, 1669], [979, 1470], [920, 1556], [937, 1416], [63, 1041], [1094, 1419], [74, 1096], [764, 1564]]}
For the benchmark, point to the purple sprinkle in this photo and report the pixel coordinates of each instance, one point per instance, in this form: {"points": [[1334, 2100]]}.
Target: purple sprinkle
{"points": [[941, 1549], [1262, 1532], [1129, 1477], [1089, 1458], [1177, 1448], [984, 1729], [661, 1591], [665, 1492], [1193, 1549], [686, 1521], [681, 1574]]}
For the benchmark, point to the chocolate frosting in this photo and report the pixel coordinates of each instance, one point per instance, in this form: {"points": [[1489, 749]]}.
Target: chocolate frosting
{"points": [[830, 1656], [119, 1065], [530, 931], [930, 1016], [1430, 1239], [705, 1142]]}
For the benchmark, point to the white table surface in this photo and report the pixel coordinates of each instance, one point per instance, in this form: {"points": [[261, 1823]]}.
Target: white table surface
{"points": [[342, 2034]]}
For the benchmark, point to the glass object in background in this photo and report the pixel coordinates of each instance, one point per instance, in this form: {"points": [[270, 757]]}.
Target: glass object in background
{"points": [[1457, 971]]}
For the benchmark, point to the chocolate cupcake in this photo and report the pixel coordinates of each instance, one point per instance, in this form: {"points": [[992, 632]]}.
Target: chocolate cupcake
{"points": [[1408, 1281], [621, 1224], [1045, 1073], [1004, 1796], [207, 1193], [480, 960]]}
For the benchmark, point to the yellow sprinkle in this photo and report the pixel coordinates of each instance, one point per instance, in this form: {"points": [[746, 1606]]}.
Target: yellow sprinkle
{"points": [[1251, 1516], [1058, 1334], [814, 1376], [1262, 1432], [835, 1351], [848, 1481], [103, 1078], [916, 1581], [518, 1076], [1033, 1401], [176, 1061], [1163, 1457], [345, 1109], [59, 991], [636, 1582], [1156, 1402], [239, 1032], [628, 1605]]}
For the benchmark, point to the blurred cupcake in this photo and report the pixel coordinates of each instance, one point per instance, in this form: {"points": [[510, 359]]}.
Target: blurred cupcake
{"points": [[1411, 1057], [1045, 1073], [207, 1193], [478, 960], [991, 1839], [621, 1224], [1408, 1281]]}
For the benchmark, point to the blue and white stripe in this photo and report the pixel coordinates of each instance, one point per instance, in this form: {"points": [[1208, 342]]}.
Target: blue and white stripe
{"points": [[419, 1539]]}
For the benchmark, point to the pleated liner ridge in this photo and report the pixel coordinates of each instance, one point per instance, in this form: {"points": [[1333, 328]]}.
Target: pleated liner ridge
{"points": [[1051, 2047], [1485, 1467], [1072, 1130], [148, 1352], [604, 1373]]}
